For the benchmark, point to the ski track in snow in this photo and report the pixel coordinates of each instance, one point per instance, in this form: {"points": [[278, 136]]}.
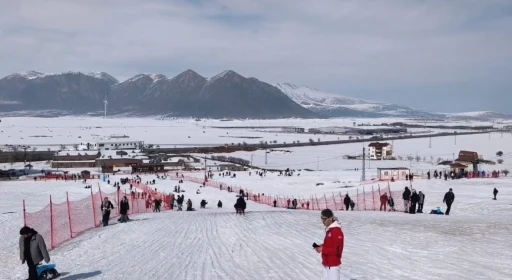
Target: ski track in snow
{"points": [[276, 245], [269, 243]]}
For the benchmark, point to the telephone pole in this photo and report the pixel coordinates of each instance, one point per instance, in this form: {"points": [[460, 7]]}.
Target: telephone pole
{"points": [[317, 162], [363, 175], [266, 152], [430, 142]]}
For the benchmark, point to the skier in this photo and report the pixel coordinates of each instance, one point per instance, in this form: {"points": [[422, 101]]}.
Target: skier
{"points": [[32, 250], [449, 197], [332, 248], [106, 206], [123, 210], [495, 192]]}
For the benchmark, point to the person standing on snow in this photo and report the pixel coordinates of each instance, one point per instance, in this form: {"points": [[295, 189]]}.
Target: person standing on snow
{"points": [[346, 201], [449, 197], [383, 201], [106, 206], [406, 195], [332, 248], [123, 210], [32, 251], [421, 202], [495, 193]]}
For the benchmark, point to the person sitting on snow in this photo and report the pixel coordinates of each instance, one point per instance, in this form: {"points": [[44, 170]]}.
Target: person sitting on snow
{"points": [[203, 203]]}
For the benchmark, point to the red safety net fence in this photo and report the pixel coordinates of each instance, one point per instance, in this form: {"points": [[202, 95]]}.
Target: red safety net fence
{"points": [[369, 199], [60, 222]]}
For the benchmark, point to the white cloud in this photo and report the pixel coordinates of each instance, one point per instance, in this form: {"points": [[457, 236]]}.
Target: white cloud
{"points": [[352, 44]]}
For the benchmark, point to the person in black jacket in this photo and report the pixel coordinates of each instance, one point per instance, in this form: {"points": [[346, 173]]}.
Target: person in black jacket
{"points": [[406, 195], [495, 193], [240, 203], [219, 204], [415, 198], [123, 210], [346, 201], [106, 206], [449, 197]]}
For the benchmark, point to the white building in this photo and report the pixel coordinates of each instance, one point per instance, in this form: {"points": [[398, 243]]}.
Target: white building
{"points": [[377, 150], [120, 144], [395, 173]]}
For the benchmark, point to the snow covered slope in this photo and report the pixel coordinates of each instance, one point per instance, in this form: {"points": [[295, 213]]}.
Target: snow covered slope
{"points": [[478, 115], [334, 105]]}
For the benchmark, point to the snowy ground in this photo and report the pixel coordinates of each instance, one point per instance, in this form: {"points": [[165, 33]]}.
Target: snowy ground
{"points": [[472, 243], [50, 133]]}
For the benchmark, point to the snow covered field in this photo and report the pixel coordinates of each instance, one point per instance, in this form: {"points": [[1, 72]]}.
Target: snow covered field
{"points": [[51, 132], [472, 243]]}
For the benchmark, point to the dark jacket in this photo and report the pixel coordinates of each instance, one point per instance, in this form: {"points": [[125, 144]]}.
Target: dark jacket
{"points": [[240, 203], [107, 207], [124, 207], [346, 200], [415, 198], [449, 197], [38, 250], [407, 194]]}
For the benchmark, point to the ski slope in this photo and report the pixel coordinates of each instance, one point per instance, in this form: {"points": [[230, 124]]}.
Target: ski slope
{"points": [[276, 244]]}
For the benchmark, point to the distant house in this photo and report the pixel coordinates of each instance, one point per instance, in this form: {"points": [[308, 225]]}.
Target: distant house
{"points": [[293, 129], [148, 167], [74, 161], [120, 145], [466, 159], [377, 150], [396, 173]]}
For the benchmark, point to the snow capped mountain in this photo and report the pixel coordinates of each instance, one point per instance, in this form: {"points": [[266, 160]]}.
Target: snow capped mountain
{"points": [[27, 75], [334, 105], [478, 115], [104, 76]]}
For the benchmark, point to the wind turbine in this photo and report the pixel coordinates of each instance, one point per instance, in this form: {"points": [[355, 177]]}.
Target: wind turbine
{"points": [[106, 103]]}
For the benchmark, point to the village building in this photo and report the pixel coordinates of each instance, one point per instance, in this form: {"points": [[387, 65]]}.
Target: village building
{"points": [[148, 167], [225, 167], [74, 161], [380, 151], [293, 129], [120, 145], [392, 173]]}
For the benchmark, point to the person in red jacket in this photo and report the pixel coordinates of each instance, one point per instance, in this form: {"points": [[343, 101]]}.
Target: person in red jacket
{"points": [[332, 248]]}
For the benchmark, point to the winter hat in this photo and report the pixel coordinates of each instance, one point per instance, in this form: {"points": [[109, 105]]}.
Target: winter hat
{"points": [[26, 230]]}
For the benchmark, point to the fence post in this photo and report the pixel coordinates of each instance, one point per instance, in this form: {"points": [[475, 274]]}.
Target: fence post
{"points": [[317, 206], [357, 199], [52, 242], [373, 198], [118, 202], [93, 210], [334, 200], [69, 216], [24, 214], [364, 199]]}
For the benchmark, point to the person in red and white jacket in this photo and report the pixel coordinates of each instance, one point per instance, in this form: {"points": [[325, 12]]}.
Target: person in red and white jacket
{"points": [[332, 248]]}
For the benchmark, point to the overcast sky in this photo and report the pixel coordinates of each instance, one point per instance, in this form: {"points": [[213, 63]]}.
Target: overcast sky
{"points": [[439, 55]]}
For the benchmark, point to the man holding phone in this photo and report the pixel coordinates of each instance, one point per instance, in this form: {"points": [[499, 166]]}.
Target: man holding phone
{"points": [[332, 248]]}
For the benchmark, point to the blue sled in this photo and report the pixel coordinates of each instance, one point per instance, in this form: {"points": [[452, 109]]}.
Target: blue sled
{"points": [[47, 271]]}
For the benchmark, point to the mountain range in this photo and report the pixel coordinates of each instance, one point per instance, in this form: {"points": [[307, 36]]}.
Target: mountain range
{"points": [[225, 95]]}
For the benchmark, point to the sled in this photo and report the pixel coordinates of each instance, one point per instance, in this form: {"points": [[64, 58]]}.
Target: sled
{"points": [[240, 211], [47, 271]]}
